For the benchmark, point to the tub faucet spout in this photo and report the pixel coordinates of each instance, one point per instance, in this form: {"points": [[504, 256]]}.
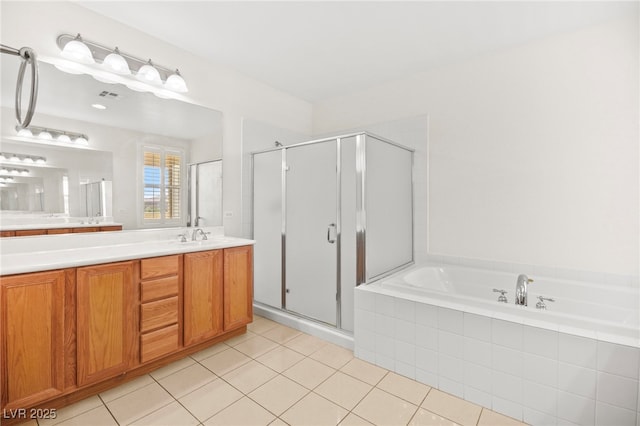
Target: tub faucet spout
{"points": [[522, 289]]}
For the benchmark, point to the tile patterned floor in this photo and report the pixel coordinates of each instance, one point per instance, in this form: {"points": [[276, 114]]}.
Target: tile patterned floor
{"points": [[274, 375]]}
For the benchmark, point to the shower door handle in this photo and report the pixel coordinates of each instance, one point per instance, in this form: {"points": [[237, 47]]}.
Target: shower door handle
{"points": [[329, 239]]}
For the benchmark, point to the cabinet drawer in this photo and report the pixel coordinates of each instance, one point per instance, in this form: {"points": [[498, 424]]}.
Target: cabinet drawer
{"points": [[158, 343], [159, 266], [158, 314], [158, 289]]}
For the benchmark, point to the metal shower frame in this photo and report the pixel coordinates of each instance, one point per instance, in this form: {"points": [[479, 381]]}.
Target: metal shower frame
{"points": [[361, 216]]}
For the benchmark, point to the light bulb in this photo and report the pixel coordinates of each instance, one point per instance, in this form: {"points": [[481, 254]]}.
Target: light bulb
{"points": [[149, 74], [78, 51], [116, 63], [2, 157], [81, 141], [41, 160], [45, 135], [63, 138], [14, 158], [24, 172], [176, 83], [25, 133], [28, 160]]}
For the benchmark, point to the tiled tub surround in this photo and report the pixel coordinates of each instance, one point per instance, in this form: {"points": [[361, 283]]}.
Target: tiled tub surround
{"points": [[532, 370]]}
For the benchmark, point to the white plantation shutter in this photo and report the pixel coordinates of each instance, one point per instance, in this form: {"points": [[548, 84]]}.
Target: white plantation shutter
{"points": [[162, 185]]}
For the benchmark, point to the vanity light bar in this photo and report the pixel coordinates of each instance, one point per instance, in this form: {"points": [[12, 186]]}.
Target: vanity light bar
{"points": [[7, 180], [111, 62], [14, 171], [22, 158], [47, 134]]}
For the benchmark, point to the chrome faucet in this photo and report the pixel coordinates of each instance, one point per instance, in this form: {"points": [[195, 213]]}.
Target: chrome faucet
{"points": [[522, 289], [194, 236]]}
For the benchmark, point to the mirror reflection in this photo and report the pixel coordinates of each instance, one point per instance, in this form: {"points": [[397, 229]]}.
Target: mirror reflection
{"points": [[124, 129]]}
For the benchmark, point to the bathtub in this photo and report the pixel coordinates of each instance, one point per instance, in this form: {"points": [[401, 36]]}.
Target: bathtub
{"points": [[577, 362]]}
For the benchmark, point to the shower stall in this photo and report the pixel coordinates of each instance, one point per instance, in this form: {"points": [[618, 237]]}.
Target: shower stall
{"points": [[329, 215]]}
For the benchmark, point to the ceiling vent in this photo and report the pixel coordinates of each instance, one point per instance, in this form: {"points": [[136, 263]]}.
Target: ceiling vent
{"points": [[109, 95]]}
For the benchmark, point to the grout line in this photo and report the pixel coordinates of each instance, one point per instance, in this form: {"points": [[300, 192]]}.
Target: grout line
{"points": [[108, 410]]}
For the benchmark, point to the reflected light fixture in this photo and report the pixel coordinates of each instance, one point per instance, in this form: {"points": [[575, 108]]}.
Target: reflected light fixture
{"points": [[14, 172], [53, 135], [22, 158], [113, 66]]}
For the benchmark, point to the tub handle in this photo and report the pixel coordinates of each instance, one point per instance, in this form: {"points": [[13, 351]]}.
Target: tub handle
{"points": [[502, 298], [541, 304], [329, 239]]}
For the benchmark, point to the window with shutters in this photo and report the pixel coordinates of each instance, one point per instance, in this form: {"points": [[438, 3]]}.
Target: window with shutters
{"points": [[162, 186]]}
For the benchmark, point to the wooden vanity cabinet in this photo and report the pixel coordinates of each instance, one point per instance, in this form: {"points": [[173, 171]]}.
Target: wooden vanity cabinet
{"points": [[33, 337], [203, 296], [106, 321], [238, 287]]}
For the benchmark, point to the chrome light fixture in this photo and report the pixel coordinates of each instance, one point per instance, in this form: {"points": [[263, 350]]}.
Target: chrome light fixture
{"points": [[14, 172], [53, 135], [113, 66]]}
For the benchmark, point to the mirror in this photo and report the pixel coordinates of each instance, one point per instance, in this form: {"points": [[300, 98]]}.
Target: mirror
{"points": [[205, 193], [116, 135]]}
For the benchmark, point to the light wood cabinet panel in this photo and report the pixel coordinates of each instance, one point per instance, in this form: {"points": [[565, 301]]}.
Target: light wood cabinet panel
{"points": [[54, 231], [86, 229], [238, 286], [33, 338], [106, 326], [203, 296], [29, 232], [111, 228], [7, 234], [160, 288], [159, 342], [158, 314], [159, 266]]}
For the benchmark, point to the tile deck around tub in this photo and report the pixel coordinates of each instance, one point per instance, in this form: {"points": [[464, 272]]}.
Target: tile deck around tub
{"points": [[275, 376]]}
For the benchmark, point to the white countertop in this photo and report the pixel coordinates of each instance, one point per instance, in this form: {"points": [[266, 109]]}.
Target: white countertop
{"points": [[42, 253]]}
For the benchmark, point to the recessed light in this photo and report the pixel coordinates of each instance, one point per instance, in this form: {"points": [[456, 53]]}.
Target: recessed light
{"points": [[99, 106]]}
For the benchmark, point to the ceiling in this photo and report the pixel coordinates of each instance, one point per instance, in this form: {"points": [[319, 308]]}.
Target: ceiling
{"points": [[316, 50]]}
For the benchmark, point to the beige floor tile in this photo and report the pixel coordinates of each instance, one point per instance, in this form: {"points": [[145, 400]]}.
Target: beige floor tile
{"points": [[305, 344], [309, 373], [353, 420], [451, 407], [261, 325], [427, 418], [239, 339], [225, 361], [314, 410], [381, 408], [210, 399], [280, 359], [210, 351], [491, 418], [249, 376], [364, 371], [126, 388], [256, 346], [344, 390], [173, 414], [72, 410], [99, 416], [278, 422], [333, 355], [172, 368], [243, 412], [186, 380], [404, 388], [139, 403], [281, 334], [278, 394]]}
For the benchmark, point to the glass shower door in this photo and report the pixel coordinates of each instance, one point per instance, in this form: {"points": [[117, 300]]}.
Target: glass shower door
{"points": [[311, 231]]}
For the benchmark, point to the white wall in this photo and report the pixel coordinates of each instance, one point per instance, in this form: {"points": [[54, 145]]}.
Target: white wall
{"points": [[38, 24], [533, 151]]}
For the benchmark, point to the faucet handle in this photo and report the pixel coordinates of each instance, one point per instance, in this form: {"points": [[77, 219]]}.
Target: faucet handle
{"points": [[541, 300], [502, 298]]}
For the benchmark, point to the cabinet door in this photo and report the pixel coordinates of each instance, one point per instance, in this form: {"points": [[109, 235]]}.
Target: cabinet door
{"points": [[238, 287], [32, 309], [203, 280], [106, 321]]}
